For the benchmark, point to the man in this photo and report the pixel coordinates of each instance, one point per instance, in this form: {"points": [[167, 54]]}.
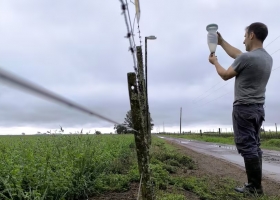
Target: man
{"points": [[251, 71]]}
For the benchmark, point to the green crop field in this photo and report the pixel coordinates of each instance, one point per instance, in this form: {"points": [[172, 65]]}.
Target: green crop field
{"points": [[59, 167]]}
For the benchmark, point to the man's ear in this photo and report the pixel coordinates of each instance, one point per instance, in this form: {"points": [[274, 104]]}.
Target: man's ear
{"points": [[251, 36]]}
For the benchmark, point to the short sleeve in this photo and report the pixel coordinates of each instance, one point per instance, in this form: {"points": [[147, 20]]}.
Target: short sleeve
{"points": [[240, 63]]}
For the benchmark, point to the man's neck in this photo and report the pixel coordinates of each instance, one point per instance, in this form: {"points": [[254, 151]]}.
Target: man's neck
{"points": [[257, 45]]}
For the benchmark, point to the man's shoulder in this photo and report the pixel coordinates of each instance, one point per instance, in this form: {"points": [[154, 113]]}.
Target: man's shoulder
{"points": [[258, 53], [243, 55]]}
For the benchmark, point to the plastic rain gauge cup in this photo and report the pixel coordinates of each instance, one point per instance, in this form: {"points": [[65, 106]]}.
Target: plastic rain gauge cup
{"points": [[212, 37]]}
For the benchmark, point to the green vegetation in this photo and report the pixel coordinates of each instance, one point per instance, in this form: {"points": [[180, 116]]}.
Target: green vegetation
{"points": [[82, 166], [63, 166], [272, 144]]}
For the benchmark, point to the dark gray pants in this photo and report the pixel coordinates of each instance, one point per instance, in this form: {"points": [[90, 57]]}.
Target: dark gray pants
{"points": [[247, 121]]}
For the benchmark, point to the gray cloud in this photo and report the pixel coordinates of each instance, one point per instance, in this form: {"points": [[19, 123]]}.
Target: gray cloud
{"points": [[78, 50]]}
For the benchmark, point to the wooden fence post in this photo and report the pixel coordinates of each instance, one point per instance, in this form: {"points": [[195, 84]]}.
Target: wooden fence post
{"points": [[219, 131], [142, 147]]}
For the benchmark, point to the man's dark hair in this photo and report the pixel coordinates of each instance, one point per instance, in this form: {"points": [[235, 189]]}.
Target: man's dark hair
{"points": [[259, 29]]}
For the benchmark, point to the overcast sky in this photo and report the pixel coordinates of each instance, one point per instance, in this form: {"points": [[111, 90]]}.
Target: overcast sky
{"points": [[77, 49]]}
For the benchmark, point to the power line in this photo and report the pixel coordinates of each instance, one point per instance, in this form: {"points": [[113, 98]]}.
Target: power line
{"points": [[215, 99], [272, 41], [31, 87], [275, 68], [213, 91], [206, 91], [275, 52], [230, 91]]}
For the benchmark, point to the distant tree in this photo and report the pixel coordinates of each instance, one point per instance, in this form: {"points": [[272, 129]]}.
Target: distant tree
{"points": [[23, 133], [97, 132], [124, 127], [121, 129]]}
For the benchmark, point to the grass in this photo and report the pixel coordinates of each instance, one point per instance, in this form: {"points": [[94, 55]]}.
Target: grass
{"points": [[82, 166], [271, 144]]}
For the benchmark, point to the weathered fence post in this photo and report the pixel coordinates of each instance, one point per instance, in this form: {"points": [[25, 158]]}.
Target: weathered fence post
{"points": [[142, 147], [276, 127], [200, 132], [136, 117], [219, 131]]}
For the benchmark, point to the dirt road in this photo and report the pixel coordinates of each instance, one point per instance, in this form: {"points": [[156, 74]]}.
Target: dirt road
{"points": [[271, 159], [223, 160]]}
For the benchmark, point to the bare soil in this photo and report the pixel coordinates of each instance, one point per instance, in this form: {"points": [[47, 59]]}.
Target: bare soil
{"points": [[207, 166]]}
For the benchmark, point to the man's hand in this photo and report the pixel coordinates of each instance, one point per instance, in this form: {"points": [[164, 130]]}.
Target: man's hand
{"points": [[220, 38], [213, 59], [230, 50], [224, 74]]}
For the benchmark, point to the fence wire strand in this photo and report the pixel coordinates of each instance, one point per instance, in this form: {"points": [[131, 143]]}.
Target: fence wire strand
{"points": [[31, 87]]}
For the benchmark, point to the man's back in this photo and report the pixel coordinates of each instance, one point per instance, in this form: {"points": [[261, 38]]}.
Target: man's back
{"points": [[254, 69]]}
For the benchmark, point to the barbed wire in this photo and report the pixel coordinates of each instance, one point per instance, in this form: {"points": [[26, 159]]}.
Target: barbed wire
{"points": [[131, 27], [138, 25], [31, 87], [129, 35], [139, 33]]}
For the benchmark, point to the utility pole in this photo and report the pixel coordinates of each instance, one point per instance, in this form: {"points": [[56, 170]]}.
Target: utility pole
{"points": [[180, 119]]}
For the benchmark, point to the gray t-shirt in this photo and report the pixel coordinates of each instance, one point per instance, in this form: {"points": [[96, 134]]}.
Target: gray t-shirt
{"points": [[253, 70]]}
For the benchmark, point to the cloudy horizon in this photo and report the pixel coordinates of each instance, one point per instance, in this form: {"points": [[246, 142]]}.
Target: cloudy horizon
{"points": [[78, 50]]}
